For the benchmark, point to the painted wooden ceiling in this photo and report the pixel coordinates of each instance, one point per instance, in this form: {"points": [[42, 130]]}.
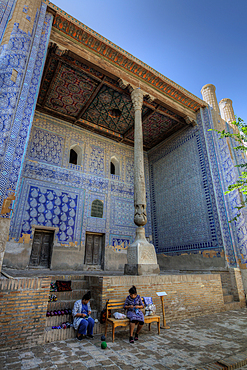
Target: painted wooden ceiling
{"points": [[82, 94]]}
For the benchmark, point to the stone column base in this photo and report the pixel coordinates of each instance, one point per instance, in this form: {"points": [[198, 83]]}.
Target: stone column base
{"points": [[141, 269], [141, 256]]}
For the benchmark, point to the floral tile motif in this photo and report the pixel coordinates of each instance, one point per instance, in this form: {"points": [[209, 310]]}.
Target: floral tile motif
{"points": [[47, 204]]}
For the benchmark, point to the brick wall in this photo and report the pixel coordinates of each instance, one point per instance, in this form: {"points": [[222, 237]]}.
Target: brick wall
{"points": [[23, 311], [95, 284], [232, 281], [236, 276], [187, 295]]}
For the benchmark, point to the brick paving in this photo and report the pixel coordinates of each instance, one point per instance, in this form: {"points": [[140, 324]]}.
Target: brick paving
{"points": [[189, 344]]}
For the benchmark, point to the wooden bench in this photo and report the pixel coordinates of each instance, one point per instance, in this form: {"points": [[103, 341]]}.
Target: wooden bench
{"points": [[118, 304]]}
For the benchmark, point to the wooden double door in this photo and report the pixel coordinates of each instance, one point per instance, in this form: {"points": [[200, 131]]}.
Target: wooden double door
{"points": [[93, 250], [41, 249]]}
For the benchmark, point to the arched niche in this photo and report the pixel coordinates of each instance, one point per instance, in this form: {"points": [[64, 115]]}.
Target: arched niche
{"points": [[97, 208], [114, 166], [75, 155]]}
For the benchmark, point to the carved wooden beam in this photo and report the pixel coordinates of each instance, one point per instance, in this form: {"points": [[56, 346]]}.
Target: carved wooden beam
{"points": [[90, 100], [55, 113], [190, 121], [51, 49]]}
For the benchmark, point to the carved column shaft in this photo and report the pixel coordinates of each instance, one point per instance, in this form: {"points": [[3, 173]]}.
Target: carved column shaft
{"points": [[140, 217], [141, 256]]}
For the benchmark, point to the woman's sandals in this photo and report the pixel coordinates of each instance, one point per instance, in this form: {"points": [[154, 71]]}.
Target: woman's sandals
{"points": [[80, 336], [131, 340]]}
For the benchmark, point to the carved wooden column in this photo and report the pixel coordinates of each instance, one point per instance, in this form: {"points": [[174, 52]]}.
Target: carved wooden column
{"points": [[141, 255], [140, 217]]}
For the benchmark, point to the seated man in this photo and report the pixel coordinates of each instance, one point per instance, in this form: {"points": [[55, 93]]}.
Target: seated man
{"points": [[82, 320]]}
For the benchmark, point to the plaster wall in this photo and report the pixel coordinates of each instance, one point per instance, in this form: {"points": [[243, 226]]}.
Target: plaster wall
{"points": [[202, 260], [244, 280]]}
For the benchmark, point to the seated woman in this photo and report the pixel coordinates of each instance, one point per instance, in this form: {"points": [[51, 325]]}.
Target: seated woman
{"points": [[82, 320], [133, 304]]}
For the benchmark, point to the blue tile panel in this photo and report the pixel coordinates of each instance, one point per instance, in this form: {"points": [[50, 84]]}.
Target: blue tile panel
{"points": [[184, 210], [217, 172], [26, 54], [46, 172], [6, 7], [222, 167], [120, 244], [46, 147], [45, 204]]}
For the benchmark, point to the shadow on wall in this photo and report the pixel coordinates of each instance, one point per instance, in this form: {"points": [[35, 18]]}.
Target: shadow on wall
{"points": [[206, 260]]}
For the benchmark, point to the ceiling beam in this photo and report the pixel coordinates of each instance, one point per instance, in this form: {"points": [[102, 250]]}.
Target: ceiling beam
{"points": [[158, 110], [47, 66], [90, 100], [56, 114]]}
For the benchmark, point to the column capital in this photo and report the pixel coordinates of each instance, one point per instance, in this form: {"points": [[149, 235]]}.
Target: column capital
{"points": [[137, 99]]}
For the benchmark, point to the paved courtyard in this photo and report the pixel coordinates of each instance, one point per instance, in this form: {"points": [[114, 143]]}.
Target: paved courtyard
{"points": [[188, 344]]}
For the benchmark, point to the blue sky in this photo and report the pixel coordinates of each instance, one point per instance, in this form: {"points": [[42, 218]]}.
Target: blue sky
{"points": [[192, 42]]}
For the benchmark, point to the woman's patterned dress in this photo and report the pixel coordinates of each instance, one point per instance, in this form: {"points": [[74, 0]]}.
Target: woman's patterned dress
{"points": [[132, 313]]}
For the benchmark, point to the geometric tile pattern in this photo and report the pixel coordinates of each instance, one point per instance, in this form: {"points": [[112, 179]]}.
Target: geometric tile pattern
{"points": [[181, 204], [123, 212], [46, 147], [129, 170], [204, 120], [184, 217], [51, 208], [222, 165]]}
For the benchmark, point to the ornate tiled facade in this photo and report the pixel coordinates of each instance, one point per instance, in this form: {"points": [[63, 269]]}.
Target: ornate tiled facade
{"points": [[186, 174], [53, 194]]}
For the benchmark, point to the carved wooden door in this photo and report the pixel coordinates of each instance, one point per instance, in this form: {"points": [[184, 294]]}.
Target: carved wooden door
{"points": [[41, 250], [93, 249]]}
